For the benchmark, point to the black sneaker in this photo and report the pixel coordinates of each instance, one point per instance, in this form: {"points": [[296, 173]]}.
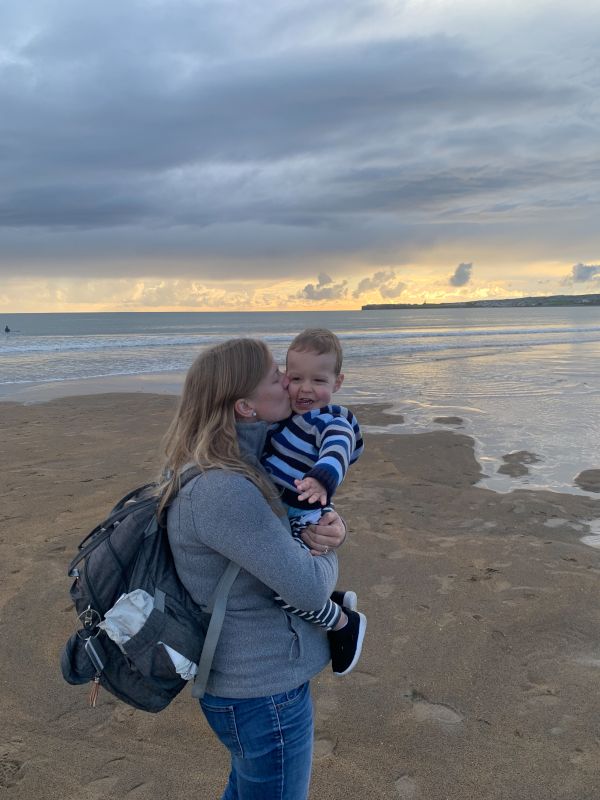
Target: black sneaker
{"points": [[346, 644], [345, 599]]}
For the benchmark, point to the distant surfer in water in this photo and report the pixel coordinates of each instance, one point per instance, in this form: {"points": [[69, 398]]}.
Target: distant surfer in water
{"points": [[6, 329]]}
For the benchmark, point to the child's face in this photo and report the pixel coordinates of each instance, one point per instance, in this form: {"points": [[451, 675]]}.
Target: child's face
{"points": [[312, 379]]}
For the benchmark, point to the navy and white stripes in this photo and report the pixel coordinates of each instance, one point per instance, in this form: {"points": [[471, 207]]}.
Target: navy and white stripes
{"points": [[327, 617], [321, 444]]}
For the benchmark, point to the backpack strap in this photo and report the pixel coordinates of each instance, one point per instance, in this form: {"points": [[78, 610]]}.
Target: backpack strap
{"points": [[159, 600], [188, 474], [219, 603]]}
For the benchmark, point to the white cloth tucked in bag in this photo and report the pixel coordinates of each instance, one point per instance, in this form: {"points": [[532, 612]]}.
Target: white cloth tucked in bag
{"points": [[127, 617]]}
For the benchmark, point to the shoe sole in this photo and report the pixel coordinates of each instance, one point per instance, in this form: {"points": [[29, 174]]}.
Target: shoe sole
{"points": [[359, 643], [350, 601]]}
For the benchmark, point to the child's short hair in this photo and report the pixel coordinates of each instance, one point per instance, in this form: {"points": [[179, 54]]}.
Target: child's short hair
{"points": [[319, 341]]}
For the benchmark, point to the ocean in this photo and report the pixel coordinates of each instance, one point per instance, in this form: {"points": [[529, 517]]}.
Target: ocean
{"points": [[520, 379]]}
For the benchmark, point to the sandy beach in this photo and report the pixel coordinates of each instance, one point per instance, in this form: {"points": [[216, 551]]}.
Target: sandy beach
{"points": [[479, 677]]}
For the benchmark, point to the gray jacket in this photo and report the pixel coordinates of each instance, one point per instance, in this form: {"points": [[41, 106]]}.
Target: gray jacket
{"points": [[221, 515]]}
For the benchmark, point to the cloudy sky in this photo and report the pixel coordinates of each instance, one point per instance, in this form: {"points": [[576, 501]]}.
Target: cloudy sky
{"points": [[225, 154]]}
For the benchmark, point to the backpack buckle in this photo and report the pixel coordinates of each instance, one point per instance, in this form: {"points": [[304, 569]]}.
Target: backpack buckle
{"points": [[90, 619]]}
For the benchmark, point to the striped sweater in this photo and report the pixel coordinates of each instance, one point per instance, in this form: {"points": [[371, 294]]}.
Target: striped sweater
{"points": [[320, 444]]}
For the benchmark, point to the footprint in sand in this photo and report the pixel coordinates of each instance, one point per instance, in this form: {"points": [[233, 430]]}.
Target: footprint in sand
{"points": [[122, 714], [436, 712], [11, 772], [327, 706], [324, 746], [588, 661], [112, 714], [383, 590], [11, 747], [105, 784], [540, 693], [99, 788], [444, 541], [446, 583], [499, 638], [449, 618], [406, 787], [364, 679], [544, 699], [399, 645], [500, 585], [425, 711], [579, 756]]}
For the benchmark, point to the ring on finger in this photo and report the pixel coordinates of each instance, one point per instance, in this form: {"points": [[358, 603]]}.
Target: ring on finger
{"points": [[326, 550]]}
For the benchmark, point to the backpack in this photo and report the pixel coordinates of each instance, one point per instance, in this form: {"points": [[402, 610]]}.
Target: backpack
{"points": [[126, 563]]}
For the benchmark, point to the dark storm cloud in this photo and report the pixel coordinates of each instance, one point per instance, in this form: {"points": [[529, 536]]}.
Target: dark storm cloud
{"points": [[127, 105], [462, 275], [227, 134]]}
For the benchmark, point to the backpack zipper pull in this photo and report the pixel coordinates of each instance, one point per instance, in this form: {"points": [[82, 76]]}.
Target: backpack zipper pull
{"points": [[94, 691]]}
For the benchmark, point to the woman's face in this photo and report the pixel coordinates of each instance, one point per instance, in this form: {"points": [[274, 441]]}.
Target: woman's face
{"points": [[270, 399]]}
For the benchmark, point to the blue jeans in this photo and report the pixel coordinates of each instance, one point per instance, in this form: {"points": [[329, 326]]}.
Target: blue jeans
{"points": [[270, 740]]}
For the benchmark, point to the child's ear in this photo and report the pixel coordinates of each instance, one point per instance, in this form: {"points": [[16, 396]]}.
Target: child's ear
{"points": [[338, 382]]}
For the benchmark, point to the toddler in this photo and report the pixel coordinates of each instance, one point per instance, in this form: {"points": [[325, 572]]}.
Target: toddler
{"points": [[307, 457]]}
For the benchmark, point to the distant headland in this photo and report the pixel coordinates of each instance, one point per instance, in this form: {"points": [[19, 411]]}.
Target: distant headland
{"points": [[511, 302]]}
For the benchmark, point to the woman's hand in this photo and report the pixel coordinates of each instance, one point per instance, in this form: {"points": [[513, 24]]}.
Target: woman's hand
{"points": [[327, 535]]}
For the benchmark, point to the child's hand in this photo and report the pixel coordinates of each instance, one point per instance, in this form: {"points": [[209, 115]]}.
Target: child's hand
{"points": [[310, 489]]}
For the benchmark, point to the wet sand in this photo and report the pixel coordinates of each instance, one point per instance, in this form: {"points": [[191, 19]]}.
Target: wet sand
{"points": [[480, 673]]}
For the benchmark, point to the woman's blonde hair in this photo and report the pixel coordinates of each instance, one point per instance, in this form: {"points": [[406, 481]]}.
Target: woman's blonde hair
{"points": [[203, 430]]}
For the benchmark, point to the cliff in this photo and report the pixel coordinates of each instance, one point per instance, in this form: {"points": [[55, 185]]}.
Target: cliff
{"points": [[512, 302]]}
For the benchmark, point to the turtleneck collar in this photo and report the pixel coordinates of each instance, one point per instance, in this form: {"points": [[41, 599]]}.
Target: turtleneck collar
{"points": [[251, 439]]}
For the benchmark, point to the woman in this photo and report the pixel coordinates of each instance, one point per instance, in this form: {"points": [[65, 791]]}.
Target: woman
{"points": [[258, 697]]}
